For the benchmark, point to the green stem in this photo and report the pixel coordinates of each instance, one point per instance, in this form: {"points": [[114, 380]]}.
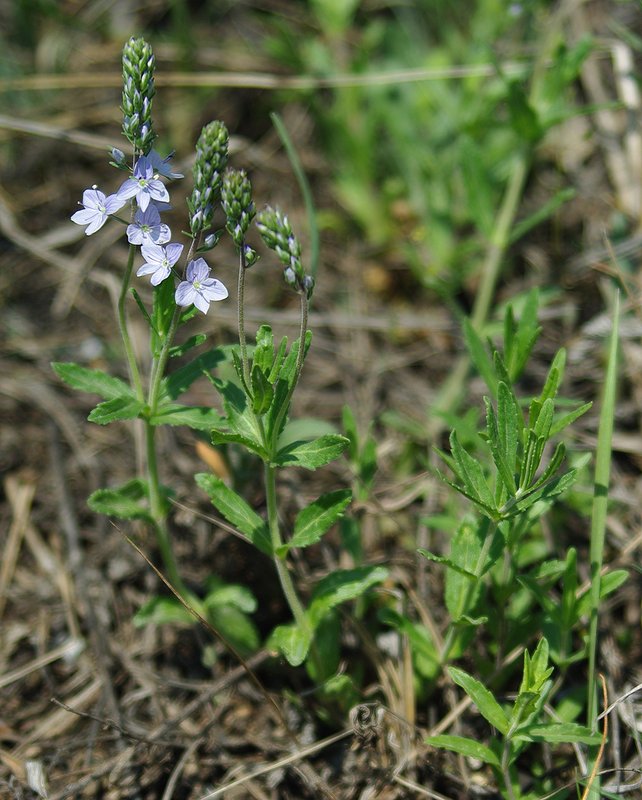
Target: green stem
{"points": [[124, 332], [157, 508], [285, 579], [241, 315]]}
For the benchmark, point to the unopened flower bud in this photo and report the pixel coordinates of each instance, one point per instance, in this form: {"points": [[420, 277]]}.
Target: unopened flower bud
{"points": [[236, 199], [138, 91], [277, 234], [118, 157], [211, 158]]}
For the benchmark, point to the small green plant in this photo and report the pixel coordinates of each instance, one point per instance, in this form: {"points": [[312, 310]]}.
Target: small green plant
{"points": [[256, 403], [257, 407], [518, 725], [501, 577]]}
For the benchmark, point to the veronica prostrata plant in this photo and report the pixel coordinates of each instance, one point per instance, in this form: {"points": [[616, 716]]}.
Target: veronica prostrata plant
{"points": [[182, 285], [257, 407], [256, 404]]}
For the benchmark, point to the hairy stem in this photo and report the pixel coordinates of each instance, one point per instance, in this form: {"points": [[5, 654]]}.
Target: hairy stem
{"points": [[134, 372]]}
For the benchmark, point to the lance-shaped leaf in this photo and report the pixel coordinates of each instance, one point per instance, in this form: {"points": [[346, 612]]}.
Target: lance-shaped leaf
{"points": [[236, 511], [292, 642], [312, 455], [228, 437], [316, 519], [466, 747], [189, 344], [181, 379], [480, 357], [196, 417], [471, 474], [92, 381], [263, 357], [118, 408], [341, 586], [558, 732], [128, 501], [503, 457], [482, 698], [262, 391], [567, 419], [462, 581]]}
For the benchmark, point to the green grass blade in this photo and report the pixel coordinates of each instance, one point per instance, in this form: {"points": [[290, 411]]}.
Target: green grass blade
{"points": [[598, 522]]}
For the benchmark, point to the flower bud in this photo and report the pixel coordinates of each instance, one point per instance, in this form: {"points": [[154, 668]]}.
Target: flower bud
{"points": [[236, 199], [211, 158], [138, 91], [277, 234]]}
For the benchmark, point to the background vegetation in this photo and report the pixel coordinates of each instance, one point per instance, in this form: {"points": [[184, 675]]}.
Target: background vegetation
{"points": [[476, 170]]}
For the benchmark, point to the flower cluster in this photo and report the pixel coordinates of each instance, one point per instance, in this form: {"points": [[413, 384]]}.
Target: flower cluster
{"points": [[148, 195], [211, 158], [277, 234], [138, 91]]}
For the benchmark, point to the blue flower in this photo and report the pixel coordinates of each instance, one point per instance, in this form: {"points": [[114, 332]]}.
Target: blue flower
{"points": [[97, 207], [147, 227], [199, 289], [162, 166], [143, 185], [159, 261]]}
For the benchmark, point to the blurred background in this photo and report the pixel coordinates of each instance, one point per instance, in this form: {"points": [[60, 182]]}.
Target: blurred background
{"points": [[458, 155]]}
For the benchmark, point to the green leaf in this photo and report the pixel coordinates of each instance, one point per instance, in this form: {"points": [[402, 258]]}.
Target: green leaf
{"points": [[126, 407], [123, 501], [546, 492], [447, 562], [235, 627], [189, 344], [163, 307], [236, 511], [462, 584], [554, 377], [470, 472], [311, 455], [523, 336], [304, 429], [317, 518], [263, 357], [161, 611], [230, 594], [93, 381], [567, 419], [544, 212], [425, 654], [466, 747], [278, 360], [240, 417], [262, 391], [291, 642], [482, 698], [523, 117], [197, 417], [609, 583], [341, 586], [499, 449], [225, 437], [557, 732], [180, 380], [479, 356]]}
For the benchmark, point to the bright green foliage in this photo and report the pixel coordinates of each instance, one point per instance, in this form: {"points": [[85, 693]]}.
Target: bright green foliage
{"points": [[517, 725], [128, 501], [423, 165], [236, 511], [225, 606]]}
